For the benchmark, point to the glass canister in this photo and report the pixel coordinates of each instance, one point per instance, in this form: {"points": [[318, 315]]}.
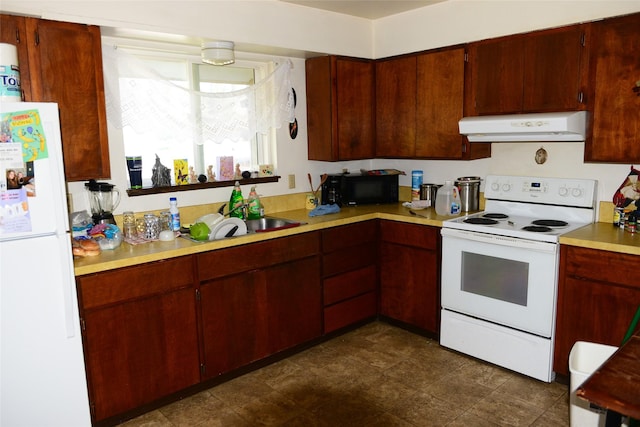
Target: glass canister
{"points": [[151, 226], [129, 224], [165, 221]]}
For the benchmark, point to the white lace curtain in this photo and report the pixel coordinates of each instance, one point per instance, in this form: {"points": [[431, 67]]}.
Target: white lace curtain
{"points": [[161, 106]]}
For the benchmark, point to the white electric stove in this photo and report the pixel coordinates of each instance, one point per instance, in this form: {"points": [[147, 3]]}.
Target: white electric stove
{"points": [[500, 270]]}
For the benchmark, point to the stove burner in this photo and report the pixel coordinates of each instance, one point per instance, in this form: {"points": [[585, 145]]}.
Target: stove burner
{"points": [[481, 221], [537, 228], [550, 223], [495, 215]]}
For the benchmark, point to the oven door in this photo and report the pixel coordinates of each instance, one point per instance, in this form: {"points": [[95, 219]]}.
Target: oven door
{"points": [[504, 280]]}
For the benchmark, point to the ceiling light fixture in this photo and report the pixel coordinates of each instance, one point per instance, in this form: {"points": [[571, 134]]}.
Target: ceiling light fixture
{"points": [[218, 53]]}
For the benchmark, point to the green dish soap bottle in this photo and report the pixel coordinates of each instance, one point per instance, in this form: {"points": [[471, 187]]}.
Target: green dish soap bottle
{"points": [[255, 207], [235, 201]]}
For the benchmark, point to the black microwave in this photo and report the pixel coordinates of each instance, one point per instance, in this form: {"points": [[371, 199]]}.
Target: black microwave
{"points": [[359, 189]]}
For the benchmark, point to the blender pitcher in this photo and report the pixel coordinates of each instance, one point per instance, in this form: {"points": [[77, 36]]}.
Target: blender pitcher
{"points": [[103, 199]]}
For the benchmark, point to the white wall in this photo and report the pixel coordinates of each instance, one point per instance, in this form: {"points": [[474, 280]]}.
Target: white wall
{"points": [[273, 27]]}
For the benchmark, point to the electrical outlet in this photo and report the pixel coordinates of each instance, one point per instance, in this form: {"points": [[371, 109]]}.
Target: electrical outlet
{"points": [[292, 181]]}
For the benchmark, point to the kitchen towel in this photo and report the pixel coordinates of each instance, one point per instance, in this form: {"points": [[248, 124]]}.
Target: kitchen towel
{"points": [[324, 210]]}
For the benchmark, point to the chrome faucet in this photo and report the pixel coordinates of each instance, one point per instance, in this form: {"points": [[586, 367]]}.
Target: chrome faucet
{"points": [[243, 206]]}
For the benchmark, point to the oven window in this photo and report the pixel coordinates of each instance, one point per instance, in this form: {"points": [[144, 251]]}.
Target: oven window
{"points": [[497, 278]]}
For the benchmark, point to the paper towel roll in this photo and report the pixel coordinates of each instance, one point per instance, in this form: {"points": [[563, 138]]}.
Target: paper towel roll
{"points": [[9, 73]]}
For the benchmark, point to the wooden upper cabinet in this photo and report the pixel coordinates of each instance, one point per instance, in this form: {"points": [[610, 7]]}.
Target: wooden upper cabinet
{"points": [[497, 68], [340, 108], [556, 69], [419, 101], [439, 107], [396, 83], [543, 71], [13, 31], [65, 66], [615, 72]]}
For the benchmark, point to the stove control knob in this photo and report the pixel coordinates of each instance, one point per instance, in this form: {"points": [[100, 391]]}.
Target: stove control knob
{"points": [[495, 186], [576, 192], [563, 191], [506, 187]]}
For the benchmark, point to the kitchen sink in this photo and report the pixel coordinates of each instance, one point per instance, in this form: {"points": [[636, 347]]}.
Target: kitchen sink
{"points": [[269, 223]]}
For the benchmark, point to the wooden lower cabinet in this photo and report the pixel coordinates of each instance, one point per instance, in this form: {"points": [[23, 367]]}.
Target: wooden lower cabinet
{"points": [[140, 334], [154, 330], [598, 295], [258, 299], [294, 303], [410, 274], [234, 323], [349, 274]]}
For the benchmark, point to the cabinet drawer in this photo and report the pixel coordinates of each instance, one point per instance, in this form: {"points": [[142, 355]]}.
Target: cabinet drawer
{"points": [[349, 312], [134, 282], [244, 258], [348, 259], [421, 236], [343, 286], [600, 265], [347, 236]]}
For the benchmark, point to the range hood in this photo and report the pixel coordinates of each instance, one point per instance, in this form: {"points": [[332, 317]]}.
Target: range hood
{"points": [[542, 127]]}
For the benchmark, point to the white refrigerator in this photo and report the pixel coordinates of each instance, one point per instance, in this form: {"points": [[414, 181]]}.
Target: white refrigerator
{"points": [[42, 374]]}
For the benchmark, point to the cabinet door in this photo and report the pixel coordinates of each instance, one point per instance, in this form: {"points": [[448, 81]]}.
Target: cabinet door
{"points": [[597, 299], [497, 72], [320, 111], [409, 274], [355, 109], [139, 333], [65, 62], [615, 67], [139, 351], [396, 107], [294, 301], [555, 70], [234, 322], [409, 286], [13, 31], [340, 108], [440, 95]]}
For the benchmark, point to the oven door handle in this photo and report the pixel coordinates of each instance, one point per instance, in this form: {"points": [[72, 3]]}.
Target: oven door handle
{"points": [[494, 239]]}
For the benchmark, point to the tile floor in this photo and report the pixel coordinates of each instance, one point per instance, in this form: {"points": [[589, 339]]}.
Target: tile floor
{"points": [[377, 375]]}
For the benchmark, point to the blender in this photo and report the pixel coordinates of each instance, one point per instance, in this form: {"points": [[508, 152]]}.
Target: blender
{"points": [[103, 199]]}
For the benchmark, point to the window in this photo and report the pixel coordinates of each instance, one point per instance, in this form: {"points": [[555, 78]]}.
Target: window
{"points": [[174, 107]]}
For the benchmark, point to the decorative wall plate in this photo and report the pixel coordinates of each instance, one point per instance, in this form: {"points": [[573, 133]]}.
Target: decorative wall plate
{"points": [[541, 156]]}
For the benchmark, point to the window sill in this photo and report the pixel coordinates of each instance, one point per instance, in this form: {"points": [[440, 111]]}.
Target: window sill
{"points": [[199, 186]]}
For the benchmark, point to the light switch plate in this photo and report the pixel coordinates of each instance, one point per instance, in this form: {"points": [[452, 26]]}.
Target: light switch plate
{"points": [[292, 181]]}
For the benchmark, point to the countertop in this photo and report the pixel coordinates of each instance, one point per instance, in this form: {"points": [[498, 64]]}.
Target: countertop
{"points": [[127, 255], [603, 236]]}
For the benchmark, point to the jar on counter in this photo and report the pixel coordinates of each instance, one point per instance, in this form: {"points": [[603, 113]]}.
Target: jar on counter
{"points": [[151, 226], [166, 222], [632, 222], [618, 212], [129, 224], [416, 182]]}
